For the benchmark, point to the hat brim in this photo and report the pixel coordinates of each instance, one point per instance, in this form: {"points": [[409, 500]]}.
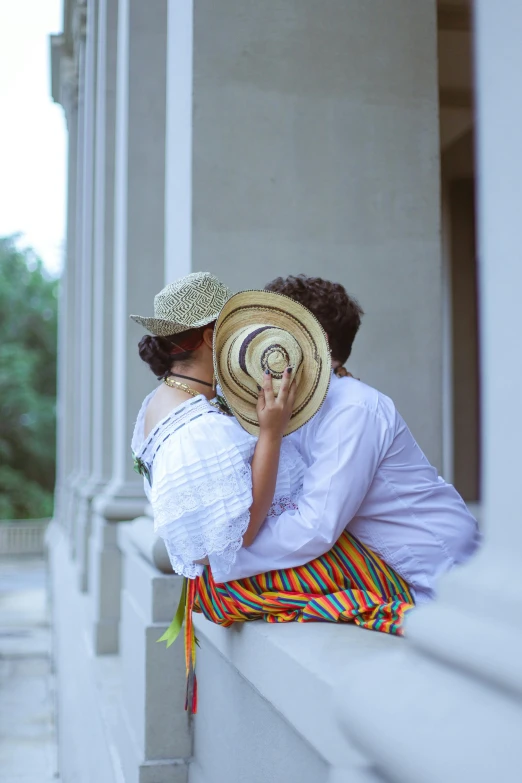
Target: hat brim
{"points": [[162, 327], [273, 309]]}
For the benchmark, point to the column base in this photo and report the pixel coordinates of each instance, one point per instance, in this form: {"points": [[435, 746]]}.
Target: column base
{"points": [[107, 511], [70, 507], [82, 528], [105, 582], [155, 727]]}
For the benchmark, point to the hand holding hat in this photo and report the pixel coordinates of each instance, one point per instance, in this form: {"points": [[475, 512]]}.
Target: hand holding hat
{"points": [[274, 409]]}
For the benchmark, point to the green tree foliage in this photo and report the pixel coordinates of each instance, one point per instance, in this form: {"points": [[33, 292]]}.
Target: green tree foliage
{"points": [[28, 334]]}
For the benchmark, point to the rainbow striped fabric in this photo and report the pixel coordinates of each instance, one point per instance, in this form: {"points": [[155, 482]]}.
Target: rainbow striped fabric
{"points": [[350, 583]]}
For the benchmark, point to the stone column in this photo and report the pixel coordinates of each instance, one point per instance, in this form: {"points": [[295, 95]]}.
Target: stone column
{"points": [[459, 680], [103, 246], [86, 482], [312, 131], [499, 160], [75, 477], [154, 735], [139, 208], [178, 186], [104, 556], [66, 408]]}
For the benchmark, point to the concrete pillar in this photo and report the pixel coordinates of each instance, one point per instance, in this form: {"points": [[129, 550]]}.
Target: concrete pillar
{"points": [[462, 663], [500, 269], [66, 402], [103, 257], [76, 477], [315, 148], [138, 270], [154, 741], [102, 40], [103, 564], [178, 186], [87, 348]]}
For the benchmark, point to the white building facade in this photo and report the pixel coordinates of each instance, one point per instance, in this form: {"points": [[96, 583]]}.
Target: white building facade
{"points": [[364, 141]]}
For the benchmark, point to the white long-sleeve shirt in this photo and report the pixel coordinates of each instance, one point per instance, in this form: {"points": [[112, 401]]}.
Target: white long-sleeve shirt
{"points": [[365, 472]]}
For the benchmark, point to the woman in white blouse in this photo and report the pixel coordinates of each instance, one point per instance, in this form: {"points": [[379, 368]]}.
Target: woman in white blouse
{"points": [[211, 484], [212, 479]]}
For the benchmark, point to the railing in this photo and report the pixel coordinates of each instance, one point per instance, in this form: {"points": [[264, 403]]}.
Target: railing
{"points": [[25, 537]]}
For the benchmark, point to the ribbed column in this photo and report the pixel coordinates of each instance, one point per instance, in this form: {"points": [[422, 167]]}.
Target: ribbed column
{"points": [[103, 245], [76, 477], [178, 186], [87, 348], [104, 556], [66, 403], [139, 220]]}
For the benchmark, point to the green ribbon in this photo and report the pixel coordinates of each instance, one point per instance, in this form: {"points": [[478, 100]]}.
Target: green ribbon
{"points": [[173, 631]]}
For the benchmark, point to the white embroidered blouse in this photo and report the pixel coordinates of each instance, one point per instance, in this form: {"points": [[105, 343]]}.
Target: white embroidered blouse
{"points": [[196, 467]]}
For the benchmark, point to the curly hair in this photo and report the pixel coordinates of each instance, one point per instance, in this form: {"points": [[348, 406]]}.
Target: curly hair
{"points": [[338, 313]]}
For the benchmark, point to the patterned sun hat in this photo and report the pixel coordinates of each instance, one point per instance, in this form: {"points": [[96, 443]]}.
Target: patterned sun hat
{"points": [[188, 303], [262, 330]]}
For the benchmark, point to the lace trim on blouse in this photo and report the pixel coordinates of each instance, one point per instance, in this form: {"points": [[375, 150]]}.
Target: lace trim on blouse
{"points": [[209, 533], [201, 497]]}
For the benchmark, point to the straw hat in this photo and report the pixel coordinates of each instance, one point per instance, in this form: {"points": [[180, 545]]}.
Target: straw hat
{"points": [[260, 330], [188, 303]]}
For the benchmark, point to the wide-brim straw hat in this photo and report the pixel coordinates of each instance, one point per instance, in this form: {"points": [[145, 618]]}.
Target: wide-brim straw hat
{"points": [[260, 330], [188, 303]]}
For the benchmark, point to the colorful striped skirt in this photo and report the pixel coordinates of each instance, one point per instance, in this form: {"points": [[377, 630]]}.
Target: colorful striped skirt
{"points": [[350, 583]]}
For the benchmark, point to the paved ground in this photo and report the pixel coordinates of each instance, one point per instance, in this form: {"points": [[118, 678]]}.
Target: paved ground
{"points": [[27, 730]]}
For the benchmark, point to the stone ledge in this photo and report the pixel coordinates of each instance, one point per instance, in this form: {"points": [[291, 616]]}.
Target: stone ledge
{"points": [[432, 723], [297, 668]]}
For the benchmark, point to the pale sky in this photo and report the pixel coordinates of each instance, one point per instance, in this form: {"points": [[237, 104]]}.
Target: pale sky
{"points": [[33, 139]]}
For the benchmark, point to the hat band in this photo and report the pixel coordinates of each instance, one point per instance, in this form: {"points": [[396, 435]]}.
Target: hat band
{"points": [[189, 343]]}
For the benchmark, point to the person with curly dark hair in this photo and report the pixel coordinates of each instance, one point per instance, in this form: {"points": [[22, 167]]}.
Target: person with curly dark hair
{"points": [[339, 314], [365, 471]]}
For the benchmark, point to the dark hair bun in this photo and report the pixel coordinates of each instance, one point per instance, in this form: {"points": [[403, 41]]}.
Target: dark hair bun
{"points": [[156, 352]]}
